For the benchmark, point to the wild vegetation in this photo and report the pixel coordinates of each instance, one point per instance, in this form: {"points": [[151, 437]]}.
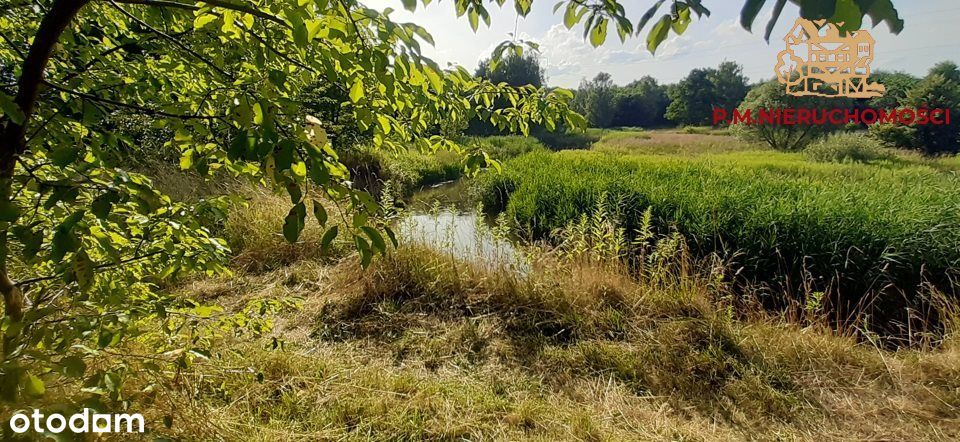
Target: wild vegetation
{"points": [[199, 212], [864, 234], [592, 343]]}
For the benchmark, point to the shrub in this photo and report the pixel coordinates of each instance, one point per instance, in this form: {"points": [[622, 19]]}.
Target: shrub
{"points": [[566, 140], [773, 95], [847, 147], [936, 92], [894, 135], [508, 146]]}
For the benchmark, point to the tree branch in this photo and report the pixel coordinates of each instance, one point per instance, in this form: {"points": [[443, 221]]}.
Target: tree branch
{"points": [[346, 10], [218, 3], [97, 267], [161, 4], [286, 57], [146, 110], [248, 9], [34, 65], [175, 41]]}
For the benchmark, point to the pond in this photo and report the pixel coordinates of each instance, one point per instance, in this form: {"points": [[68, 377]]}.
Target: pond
{"points": [[443, 217]]}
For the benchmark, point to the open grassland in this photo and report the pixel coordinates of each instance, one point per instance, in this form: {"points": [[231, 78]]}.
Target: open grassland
{"points": [[845, 228]]}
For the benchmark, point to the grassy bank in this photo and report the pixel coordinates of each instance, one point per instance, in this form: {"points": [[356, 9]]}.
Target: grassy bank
{"points": [[412, 170]]}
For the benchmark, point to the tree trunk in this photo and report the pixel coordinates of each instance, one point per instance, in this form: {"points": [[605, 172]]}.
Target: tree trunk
{"points": [[13, 135]]}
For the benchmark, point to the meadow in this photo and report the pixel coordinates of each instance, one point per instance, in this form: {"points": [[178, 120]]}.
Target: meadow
{"points": [[585, 346], [590, 343], [849, 229]]}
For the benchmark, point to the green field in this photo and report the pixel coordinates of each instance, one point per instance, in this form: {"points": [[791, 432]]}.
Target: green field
{"points": [[852, 228]]}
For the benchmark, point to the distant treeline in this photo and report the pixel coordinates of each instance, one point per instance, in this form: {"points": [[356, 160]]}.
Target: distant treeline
{"points": [[690, 102]]}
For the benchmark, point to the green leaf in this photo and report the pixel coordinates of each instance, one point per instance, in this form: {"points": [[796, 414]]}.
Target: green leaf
{"points": [[73, 366], [847, 13], [11, 109], [258, 113], [379, 245], [65, 155], [319, 173], [186, 160], [410, 5], [648, 15], [294, 222], [599, 33], [749, 13], [683, 20], [101, 205], [777, 11], [33, 386], [328, 238], [320, 212], [570, 16], [9, 211], [83, 269], [300, 35], [659, 33], [817, 9], [202, 20], [392, 236], [31, 240], [356, 91], [882, 11], [366, 255], [64, 240], [474, 17]]}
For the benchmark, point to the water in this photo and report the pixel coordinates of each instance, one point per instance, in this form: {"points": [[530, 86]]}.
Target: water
{"points": [[440, 218]]}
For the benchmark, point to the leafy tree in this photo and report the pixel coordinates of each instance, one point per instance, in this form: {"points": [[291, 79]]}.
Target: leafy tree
{"points": [[85, 245], [514, 70], [772, 95], [595, 100], [692, 99], [695, 97], [948, 70], [729, 84], [897, 84], [936, 92], [642, 103], [332, 105]]}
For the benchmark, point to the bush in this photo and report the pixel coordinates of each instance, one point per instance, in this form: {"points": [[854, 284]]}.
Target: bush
{"points": [[773, 95], [894, 135], [566, 140], [847, 147], [936, 92]]}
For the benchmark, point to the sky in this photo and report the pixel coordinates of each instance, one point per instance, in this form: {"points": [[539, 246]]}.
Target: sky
{"points": [[931, 34]]}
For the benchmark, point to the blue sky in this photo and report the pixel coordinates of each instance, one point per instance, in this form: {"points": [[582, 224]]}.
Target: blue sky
{"points": [[932, 34]]}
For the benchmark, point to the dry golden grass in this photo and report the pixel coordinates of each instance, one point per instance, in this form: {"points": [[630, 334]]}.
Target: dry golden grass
{"points": [[670, 142], [424, 347]]}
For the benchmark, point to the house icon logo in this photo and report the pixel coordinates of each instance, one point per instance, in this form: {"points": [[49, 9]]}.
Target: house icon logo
{"points": [[819, 60]]}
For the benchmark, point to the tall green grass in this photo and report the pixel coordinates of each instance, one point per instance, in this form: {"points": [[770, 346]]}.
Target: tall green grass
{"points": [[848, 228]]}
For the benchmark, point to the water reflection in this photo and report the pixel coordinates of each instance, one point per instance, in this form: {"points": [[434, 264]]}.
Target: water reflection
{"points": [[441, 218]]}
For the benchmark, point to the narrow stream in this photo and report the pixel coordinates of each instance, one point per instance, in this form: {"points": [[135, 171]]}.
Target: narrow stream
{"points": [[444, 217]]}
